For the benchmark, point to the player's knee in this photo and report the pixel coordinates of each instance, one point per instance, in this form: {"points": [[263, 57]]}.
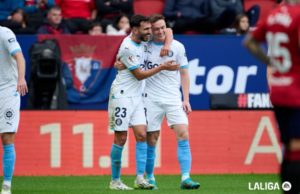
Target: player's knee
{"points": [[182, 135], [141, 136], [152, 138], [8, 138], [120, 139], [294, 145]]}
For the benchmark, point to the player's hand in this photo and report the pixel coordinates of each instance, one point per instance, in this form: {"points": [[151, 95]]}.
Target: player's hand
{"points": [[186, 107], [119, 65], [22, 86], [164, 51], [170, 66]]}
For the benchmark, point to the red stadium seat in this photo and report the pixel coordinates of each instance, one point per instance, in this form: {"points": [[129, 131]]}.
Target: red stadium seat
{"points": [[265, 6], [148, 7]]}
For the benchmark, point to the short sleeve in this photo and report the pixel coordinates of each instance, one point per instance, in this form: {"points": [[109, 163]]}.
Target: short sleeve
{"points": [[182, 59], [10, 41], [128, 58], [259, 34]]}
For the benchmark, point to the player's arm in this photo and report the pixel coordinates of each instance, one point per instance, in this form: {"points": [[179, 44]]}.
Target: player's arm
{"points": [[140, 75], [256, 49], [169, 38], [185, 84], [22, 85]]}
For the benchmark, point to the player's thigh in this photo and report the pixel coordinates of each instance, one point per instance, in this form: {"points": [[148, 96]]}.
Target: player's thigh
{"points": [[138, 115], [9, 113], [120, 111], [154, 114], [175, 114], [288, 121]]}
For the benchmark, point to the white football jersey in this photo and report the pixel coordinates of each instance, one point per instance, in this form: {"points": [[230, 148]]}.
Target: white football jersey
{"points": [[165, 85], [132, 55], [8, 66]]}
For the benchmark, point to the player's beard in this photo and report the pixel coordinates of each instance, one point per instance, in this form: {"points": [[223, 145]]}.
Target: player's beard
{"points": [[145, 37]]}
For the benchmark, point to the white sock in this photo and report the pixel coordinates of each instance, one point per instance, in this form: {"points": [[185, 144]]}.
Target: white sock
{"points": [[8, 183], [185, 176], [140, 176]]}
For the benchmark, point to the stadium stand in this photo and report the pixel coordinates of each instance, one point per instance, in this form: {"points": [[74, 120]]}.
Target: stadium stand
{"points": [[148, 7], [265, 6]]}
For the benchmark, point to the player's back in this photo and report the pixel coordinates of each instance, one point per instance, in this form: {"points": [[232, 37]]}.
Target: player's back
{"points": [[282, 30], [125, 84], [8, 66]]}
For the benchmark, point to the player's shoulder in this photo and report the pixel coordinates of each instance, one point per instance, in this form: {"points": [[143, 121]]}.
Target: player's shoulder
{"points": [[6, 33], [176, 44]]}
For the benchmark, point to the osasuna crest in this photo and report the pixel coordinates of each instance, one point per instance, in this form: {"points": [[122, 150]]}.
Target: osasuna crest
{"points": [[83, 67]]}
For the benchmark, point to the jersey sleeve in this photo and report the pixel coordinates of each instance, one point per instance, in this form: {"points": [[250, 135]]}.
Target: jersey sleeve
{"points": [[128, 58], [10, 42], [259, 34], [182, 59]]}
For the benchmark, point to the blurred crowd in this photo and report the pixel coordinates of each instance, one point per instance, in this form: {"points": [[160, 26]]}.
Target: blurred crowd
{"points": [[111, 17]]}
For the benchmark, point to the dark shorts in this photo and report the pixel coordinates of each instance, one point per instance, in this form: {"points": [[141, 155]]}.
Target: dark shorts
{"points": [[289, 123]]}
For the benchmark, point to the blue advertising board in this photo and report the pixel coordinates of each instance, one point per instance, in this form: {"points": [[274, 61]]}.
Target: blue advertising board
{"points": [[217, 65]]}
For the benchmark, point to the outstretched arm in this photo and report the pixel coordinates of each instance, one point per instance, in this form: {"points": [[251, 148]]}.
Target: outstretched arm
{"points": [[255, 48]]}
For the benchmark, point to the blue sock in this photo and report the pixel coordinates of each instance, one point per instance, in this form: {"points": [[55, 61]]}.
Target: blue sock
{"points": [[116, 155], [150, 161], [184, 157], [140, 157], [9, 157]]}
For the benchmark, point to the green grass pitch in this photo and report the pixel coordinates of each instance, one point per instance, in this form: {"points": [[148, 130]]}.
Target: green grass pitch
{"points": [[168, 184]]}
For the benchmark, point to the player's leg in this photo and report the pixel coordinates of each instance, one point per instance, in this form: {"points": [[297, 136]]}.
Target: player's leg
{"points": [[288, 120], [8, 161], [177, 120], [9, 122], [138, 123], [154, 114], [119, 122]]}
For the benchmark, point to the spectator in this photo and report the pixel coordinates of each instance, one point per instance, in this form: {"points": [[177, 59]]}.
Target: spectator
{"points": [[18, 22], [96, 29], [8, 6], [54, 23], [34, 6], [120, 26], [78, 14], [36, 10], [108, 10], [201, 15], [241, 26]]}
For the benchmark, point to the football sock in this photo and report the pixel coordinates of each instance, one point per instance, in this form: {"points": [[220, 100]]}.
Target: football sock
{"points": [[290, 171], [9, 157], [150, 162], [141, 157], [184, 158], [116, 155]]}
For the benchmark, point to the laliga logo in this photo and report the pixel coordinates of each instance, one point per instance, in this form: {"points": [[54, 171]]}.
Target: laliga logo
{"points": [[269, 186], [213, 84]]}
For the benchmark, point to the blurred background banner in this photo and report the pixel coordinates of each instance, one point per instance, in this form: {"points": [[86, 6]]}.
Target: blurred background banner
{"points": [[79, 143], [217, 65], [87, 67]]}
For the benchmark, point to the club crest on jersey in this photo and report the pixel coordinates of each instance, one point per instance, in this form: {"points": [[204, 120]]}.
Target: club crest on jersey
{"points": [[84, 69], [9, 114], [170, 53], [118, 122]]}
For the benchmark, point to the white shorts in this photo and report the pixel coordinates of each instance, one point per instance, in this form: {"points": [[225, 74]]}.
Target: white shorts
{"points": [[155, 112], [126, 112], [9, 111]]}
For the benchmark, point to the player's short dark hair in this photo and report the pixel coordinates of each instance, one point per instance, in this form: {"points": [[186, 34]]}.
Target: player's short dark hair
{"points": [[136, 20], [155, 17]]}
